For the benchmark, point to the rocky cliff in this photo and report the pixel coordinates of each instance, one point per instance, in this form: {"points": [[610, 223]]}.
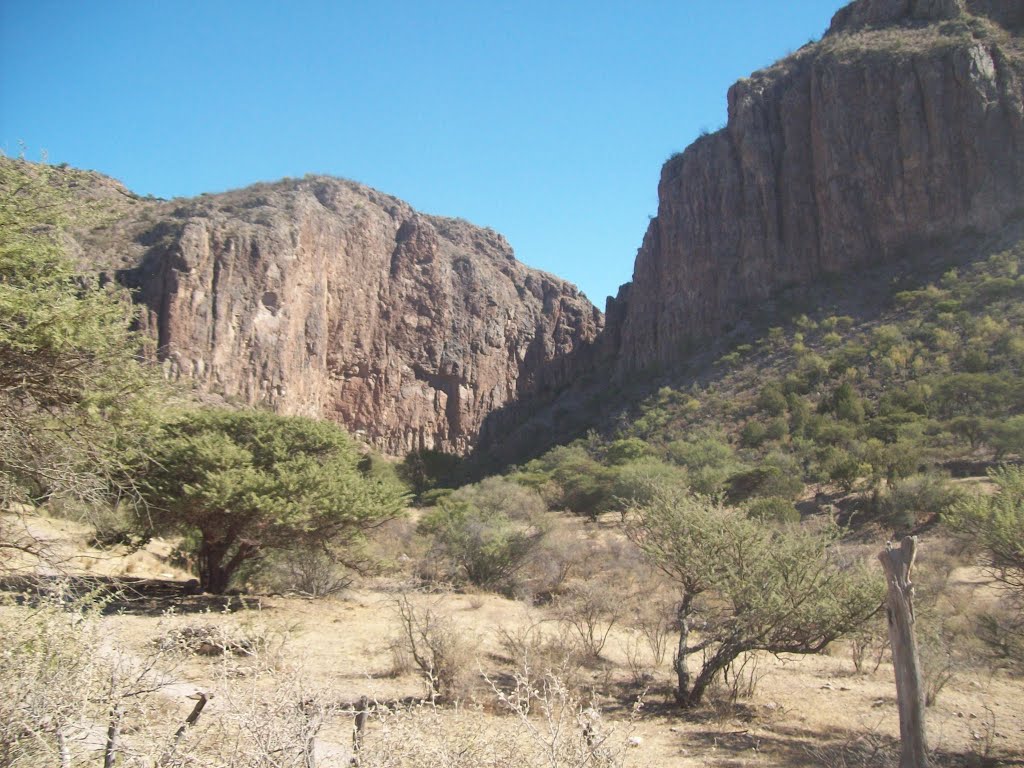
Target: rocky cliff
{"points": [[327, 298], [903, 126]]}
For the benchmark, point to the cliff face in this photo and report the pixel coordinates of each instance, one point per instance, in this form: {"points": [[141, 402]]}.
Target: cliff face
{"points": [[903, 125], [327, 298]]}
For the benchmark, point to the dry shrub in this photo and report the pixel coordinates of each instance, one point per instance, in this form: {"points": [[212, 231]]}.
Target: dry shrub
{"points": [[444, 654], [562, 554], [637, 653], [311, 573], [652, 614], [591, 609], [62, 688], [272, 718], [869, 749], [947, 616], [396, 548], [237, 635], [207, 640], [740, 677], [1001, 629], [401, 658], [607, 587], [868, 649], [546, 725], [544, 647]]}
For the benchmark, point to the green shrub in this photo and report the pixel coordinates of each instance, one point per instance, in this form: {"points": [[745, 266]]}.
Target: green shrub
{"points": [[845, 469], [753, 587], [773, 509], [627, 449], [434, 496], [426, 469], [634, 481], [486, 531], [776, 429], [914, 497], [579, 482], [765, 480], [844, 403], [753, 434], [708, 449], [771, 400]]}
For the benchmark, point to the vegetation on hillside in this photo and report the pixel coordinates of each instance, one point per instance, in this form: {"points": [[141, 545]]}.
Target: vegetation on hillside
{"points": [[887, 406]]}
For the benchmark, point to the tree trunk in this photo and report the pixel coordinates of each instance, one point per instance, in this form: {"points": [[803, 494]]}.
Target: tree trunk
{"points": [[708, 672], [682, 650], [214, 573], [212, 577], [113, 734], [909, 691]]}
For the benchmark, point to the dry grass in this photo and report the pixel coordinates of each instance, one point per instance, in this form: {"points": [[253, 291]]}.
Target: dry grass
{"points": [[329, 653]]}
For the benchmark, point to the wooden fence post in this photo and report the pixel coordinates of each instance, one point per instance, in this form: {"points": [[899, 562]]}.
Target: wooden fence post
{"points": [[897, 563]]}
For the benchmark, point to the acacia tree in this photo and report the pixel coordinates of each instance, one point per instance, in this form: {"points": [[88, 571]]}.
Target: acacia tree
{"points": [[61, 336], [241, 483], [993, 525], [745, 586], [73, 395]]}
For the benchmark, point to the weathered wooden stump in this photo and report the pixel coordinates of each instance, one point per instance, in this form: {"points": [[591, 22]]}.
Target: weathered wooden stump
{"points": [[898, 563]]}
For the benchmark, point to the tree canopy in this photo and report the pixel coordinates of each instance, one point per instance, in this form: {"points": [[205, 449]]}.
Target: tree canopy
{"points": [[745, 586], [73, 395], [241, 483]]}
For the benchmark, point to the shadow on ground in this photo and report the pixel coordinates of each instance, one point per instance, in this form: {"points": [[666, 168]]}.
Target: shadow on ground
{"points": [[142, 597], [840, 748]]}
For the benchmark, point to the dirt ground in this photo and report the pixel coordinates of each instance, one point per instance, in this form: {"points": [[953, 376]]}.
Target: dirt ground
{"points": [[802, 711]]}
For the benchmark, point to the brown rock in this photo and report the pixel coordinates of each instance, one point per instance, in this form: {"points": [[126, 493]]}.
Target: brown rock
{"points": [[324, 297], [903, 126]]}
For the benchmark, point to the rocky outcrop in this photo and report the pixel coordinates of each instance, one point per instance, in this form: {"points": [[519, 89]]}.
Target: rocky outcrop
{"points": [[324, 297], [904, 125]]}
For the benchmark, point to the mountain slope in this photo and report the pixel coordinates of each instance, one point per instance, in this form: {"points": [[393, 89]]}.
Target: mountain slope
{"points": [[903, 126]]}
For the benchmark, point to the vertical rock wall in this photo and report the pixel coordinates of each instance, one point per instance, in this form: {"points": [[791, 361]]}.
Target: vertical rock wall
{"points": [[904, 125], [326, 298]]}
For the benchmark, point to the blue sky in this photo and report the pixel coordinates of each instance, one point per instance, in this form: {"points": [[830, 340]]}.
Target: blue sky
{"points": [[548, 121]]}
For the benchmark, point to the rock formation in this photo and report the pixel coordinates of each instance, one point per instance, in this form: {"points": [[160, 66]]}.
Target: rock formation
{"points": [[904, 125], [902, 128], [324, 297]]}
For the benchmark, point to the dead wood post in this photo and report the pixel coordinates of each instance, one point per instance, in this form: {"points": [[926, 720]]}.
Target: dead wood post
{"points": [[200, 698], [897, 563], [360, 725], [312, 716], [63, 748]]}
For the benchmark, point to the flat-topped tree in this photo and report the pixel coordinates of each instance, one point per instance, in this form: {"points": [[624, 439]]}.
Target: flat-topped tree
{"points": [[240, 483]]}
